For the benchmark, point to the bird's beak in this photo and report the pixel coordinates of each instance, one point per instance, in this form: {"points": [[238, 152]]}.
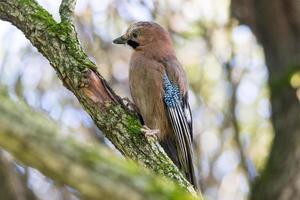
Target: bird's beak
{"points": [[120, 40]]}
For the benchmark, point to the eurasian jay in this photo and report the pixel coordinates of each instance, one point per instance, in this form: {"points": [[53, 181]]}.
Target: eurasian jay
{"points": [[159, 89]]}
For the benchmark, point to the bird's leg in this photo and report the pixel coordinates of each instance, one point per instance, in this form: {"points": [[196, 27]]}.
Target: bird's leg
{"points": [[150, 132]]}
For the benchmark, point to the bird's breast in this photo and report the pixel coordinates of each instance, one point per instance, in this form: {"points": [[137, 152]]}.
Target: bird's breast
{"points": [[147, 91]]}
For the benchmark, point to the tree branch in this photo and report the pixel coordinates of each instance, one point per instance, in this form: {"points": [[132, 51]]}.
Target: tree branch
{"points": [[12, 184], [92, 170], [250, 173], [58, 42], [276, 25], [66, 10]]}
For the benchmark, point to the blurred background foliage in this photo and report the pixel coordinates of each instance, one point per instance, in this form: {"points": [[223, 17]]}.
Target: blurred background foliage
{"points": [[224, 63]]}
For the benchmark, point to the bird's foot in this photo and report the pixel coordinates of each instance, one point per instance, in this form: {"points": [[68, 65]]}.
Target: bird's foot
{"points": [[150, 132]]}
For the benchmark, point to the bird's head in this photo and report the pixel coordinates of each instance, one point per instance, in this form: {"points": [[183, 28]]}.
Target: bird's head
{"points": [[144, 34]]}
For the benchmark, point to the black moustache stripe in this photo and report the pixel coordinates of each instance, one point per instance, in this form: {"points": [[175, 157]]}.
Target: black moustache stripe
{"points": [[133, 44]]}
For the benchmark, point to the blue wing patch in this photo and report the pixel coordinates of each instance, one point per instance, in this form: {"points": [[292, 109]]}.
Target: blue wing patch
{"points": [[172, 94]]}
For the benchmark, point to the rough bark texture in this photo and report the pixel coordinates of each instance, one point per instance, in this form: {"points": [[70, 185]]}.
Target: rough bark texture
{"points": [[94, 171], [276, 23], [58, 42]]}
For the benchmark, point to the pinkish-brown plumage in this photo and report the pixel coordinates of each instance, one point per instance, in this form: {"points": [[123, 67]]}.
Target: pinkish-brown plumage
{"points": [[155, 76]]}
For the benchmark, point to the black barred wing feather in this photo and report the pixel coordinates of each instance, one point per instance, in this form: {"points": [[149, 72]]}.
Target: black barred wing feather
{"points": [[180, 118], [188, 114]]}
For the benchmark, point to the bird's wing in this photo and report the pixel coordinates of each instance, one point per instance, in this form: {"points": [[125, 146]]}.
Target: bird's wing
{"points": [[180, 117], [188, 113]]}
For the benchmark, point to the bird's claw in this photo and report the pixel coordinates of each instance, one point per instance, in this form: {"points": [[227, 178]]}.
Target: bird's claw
{"points": [[150, 132]]}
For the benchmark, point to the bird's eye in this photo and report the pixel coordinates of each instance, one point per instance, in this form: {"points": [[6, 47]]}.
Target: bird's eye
{"points": [[134, 35]]}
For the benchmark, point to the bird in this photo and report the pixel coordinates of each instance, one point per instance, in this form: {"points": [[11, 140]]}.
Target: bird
{"points": [[159, 89]]}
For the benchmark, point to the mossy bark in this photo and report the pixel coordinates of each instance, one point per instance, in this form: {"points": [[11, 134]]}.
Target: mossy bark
{"points": [[58, 42], [93, 170]]}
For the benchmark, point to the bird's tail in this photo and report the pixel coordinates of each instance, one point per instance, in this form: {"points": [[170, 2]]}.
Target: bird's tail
{"points": [[169, 145], [183, 142]]}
